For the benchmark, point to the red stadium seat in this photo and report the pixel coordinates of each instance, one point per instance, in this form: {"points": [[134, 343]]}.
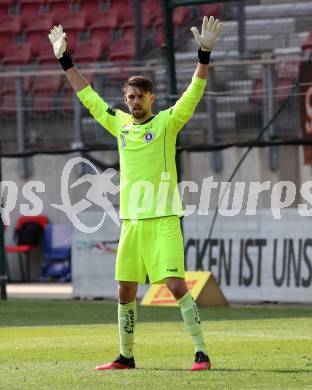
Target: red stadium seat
{"points": [[42, 220], [18, 54], [9, 27], [42, 23], [148, 19], [11, 23], [122, 8], [5, 7], [44, 91], [102, 35], [8, 94], [72, 38], [88, 51], [6, 40], [22, 248], [8, 105], [39, 30], [60, 8], [181, 16], [45, 54], [68, 99], [158, 19], [104, 27], [47, 83], [91, 9], [8, 97], [123, 49], [59, 17], [108, 20], [151, 11], [30, 9], [74, 22], [43, 103], [7, 3], [128, 28], [212, 10], [9, 84]]}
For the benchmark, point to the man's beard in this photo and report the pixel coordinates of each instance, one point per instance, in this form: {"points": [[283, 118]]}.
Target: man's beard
{"points": [[138, 114]]}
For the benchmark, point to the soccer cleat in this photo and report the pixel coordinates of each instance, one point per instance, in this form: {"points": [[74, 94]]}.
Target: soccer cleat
{"points": [[120, 363], [202, 362]]}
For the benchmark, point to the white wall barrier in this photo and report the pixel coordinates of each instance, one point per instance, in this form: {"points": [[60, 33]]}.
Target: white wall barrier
{"points": [[253, 258]]}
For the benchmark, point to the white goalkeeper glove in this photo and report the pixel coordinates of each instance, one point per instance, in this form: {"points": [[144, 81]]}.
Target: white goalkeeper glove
{"points": [[210, 31], [58, 40]]}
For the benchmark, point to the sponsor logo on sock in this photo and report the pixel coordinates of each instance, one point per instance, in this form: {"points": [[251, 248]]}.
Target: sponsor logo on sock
{"points": [[172, 269], [197, 315], [129, 327]]}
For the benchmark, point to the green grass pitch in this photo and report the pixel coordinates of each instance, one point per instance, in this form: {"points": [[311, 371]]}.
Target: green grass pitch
{"points": [[55, 345]]}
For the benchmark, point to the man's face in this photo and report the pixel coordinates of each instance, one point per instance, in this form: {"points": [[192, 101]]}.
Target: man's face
{"points": [[138, 101]]}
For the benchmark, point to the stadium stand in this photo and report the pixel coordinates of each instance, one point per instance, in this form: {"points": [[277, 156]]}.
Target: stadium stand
{"points": [[106, 29], [59, 7], [44, 91], [112, 23], [36, 30], [10, 27], [17, 54], [28, 236], [88, 51], [30, 10]]}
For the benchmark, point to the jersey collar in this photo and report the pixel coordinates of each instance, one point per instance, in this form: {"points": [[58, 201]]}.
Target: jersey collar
{"points": [[143, 123]]}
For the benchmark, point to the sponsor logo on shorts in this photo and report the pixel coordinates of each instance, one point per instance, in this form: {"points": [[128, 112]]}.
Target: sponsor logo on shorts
{"points": [[172, 269]]}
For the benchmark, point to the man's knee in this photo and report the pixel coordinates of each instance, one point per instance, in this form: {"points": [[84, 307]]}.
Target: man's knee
{"points": [[177, 286], [127, 291]]}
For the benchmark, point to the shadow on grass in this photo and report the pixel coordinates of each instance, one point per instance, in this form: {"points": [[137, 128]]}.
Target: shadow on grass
{"points": [[57, 312], [295, 371], [163, 369]]}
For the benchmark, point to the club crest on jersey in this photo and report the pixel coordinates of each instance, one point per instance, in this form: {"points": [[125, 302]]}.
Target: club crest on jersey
{"points": [[149, 136]]}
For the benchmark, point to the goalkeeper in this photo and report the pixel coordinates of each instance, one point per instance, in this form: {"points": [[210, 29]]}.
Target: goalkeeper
{"points": [[151, 242]]}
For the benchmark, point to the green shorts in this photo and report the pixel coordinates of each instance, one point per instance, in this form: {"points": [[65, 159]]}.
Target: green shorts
{"points": [[152, 247]]}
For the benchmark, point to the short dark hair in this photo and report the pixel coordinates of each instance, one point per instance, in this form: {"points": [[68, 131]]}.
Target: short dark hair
{"points": [[140, 82]]}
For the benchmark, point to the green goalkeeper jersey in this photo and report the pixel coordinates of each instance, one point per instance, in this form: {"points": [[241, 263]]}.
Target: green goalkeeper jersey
{"points": [[148, 175]]}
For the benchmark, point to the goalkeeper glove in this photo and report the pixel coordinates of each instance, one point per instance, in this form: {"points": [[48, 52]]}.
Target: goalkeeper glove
{"points": [[58, 40], [210, 31]]}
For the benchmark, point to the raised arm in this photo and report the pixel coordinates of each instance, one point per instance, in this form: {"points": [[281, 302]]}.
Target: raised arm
{"points": [[58, 40], [211, 29], [184, 108], [98, 108]]}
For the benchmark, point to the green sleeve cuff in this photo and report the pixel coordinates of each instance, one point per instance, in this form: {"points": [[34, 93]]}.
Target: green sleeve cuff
{"points": [[82, 94]]}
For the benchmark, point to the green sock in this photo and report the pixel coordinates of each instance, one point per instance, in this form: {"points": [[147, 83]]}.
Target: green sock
{"points": [[126, 322], [191, 319]]}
